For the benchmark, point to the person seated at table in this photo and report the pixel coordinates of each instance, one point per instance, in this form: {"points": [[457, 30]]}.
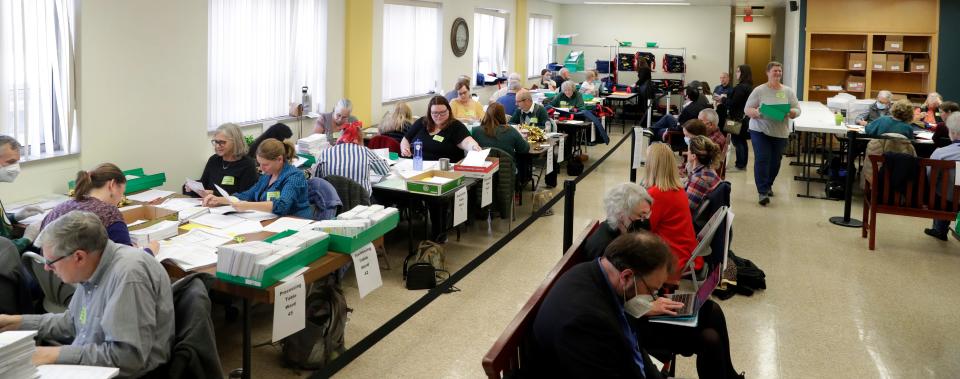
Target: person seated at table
{"points": [[494, 132], [280, 132], [703, 156], [568, 97], [351, 160], [711, 120], [592, 85], [928, 114], [563, 76], [670, 216], [331, 123], [281, 189], [452, 94], [396, 122], [97, 191], [464, 107], [950, 152], [503, 90], [442, 135], [627, 204], [585, 327], [901, 113], [546, 80], [528, 112], [693, 103], [229, 167], [122, 312], [509, 99], [9, 170], [941, 134], [878, 109]]}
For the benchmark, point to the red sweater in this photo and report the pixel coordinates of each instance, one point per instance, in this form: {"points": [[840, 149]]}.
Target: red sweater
{"points": [[671, 220]]}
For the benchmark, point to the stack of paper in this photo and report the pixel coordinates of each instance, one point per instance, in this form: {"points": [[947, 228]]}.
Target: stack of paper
{"points": [[188, 257], [76, 371], [16, 350], [355, 221], [208, 238], [288, 223], [178, 204], [191, 213], [149, 195], [218, 221], [252, 259], [156, 232], [313, 144], [476, 158]]}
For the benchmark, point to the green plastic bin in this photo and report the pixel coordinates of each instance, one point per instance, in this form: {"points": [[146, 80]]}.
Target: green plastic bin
{"points": [[347, 245], [143, 181], [283, 269]]}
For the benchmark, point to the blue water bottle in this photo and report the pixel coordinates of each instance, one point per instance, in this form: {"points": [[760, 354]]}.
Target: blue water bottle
{"points": [[417, 155]]}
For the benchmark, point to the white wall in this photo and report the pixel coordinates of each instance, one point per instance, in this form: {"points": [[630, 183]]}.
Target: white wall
{"points": [[791, 49], [700, 29], [760, 25]]}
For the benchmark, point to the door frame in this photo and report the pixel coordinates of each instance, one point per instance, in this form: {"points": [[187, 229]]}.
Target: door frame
{"points": [[746, 45]]}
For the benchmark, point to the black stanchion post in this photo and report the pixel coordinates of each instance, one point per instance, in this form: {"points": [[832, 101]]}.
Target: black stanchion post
{"points": [[633, 148], [845, 220], [569, 188]]}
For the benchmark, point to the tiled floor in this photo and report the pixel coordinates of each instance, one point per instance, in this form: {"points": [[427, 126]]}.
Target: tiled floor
{"points": [[832, 309]]}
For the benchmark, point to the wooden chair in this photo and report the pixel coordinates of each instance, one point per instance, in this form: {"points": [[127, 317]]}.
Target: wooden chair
{"points": [[919, 199], [507, 352]]}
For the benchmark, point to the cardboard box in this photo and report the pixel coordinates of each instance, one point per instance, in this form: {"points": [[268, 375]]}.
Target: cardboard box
{"points": [[494, 162], [896, 62], [418, 184], [856, 83], [857, 61], [893, 43], [919, 65], [879, 62], [149, 213]]}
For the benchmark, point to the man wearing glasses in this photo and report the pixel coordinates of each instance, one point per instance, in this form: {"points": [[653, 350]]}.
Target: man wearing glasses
{"points": [[122, 312]]}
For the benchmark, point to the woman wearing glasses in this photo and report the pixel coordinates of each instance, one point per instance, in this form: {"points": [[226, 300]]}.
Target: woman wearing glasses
{"points": [[229, 167], [442, 135]]}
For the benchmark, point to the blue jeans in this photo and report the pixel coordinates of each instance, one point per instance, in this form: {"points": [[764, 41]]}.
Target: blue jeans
{"points": [[740, 148], [767, 151], [941, 226], [661, 126]]}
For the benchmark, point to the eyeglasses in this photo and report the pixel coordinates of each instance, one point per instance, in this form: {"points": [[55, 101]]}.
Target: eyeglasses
{"points": [[653, 292], [50, 263], [441, 113], [218, 142]]}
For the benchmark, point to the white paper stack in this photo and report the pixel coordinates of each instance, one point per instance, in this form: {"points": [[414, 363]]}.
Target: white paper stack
{"points": [[313, 144], [156, 232], [355, 221], [188, 257], [288, 223], [252, 259], [16, 350]]}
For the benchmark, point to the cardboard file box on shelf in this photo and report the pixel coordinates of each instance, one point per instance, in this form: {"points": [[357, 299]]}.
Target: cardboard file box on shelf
{"points": [[419, 185], [149, 213], [919, 65], [856, 83], [857, 61], [895, 62], [893, 43], [479, 172], [879, 62]]}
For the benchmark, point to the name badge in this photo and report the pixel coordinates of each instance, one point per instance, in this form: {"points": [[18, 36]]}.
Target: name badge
{"points": [[83, 316], [438, 138], [781, 95], [227, 181], [273, 195], [533, 120]]}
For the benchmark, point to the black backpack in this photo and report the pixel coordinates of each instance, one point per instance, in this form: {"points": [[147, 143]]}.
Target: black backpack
{"points": [[749, 278], [321, 339], [574, 166]]}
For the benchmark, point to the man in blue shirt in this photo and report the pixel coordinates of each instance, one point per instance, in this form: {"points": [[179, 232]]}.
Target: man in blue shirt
{"points": [[950, 152], [509, 100]]}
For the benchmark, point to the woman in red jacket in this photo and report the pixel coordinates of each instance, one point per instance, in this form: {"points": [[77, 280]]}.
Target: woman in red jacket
{"points": [[670, 214]]}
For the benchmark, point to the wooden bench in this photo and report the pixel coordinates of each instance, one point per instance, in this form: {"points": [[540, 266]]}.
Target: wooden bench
{"points": [[506, 353], [918, 200]]}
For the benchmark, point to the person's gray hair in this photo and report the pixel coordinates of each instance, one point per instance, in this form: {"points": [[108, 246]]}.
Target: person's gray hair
{"points": [[233, 133], [621, 199], [885, 94], [343, 104], [513, 85], [524, 95], [77, 230], [7, 140], [569, 84], [564, 70], [711, 115], [513, 77], [953, 125]]}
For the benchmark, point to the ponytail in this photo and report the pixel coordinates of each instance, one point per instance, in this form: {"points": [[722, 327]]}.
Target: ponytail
{"points": [[273, 149], [706, 150], [97, 178]]}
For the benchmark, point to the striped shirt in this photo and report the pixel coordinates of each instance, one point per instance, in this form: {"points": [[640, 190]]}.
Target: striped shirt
{"points": [[351, 161], [701, 181]]}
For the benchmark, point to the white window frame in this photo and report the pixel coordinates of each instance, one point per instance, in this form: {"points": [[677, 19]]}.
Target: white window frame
{"points": [[536, 42], [260, 56], [504, 60], [423, 67]]}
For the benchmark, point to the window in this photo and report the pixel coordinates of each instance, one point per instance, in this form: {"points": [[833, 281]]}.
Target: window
{"points": [[260, 55], [539, 51], [490, 42], [37, 92], [411, 50]]}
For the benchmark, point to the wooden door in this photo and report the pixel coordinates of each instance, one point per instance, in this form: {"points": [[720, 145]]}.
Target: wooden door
{"points": [[758, 54]]}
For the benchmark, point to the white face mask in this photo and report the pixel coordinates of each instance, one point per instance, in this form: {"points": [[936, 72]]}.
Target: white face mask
{"points": [[9, 173], [639, 305], [686, 140]]}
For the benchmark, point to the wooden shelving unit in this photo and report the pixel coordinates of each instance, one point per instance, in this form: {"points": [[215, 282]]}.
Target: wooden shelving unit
{"points": [[827, 65]]}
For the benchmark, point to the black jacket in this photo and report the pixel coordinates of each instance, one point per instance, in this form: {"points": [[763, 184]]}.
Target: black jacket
{"points": [[738, 100], [195, 350], [690, 112], [578, 334]]}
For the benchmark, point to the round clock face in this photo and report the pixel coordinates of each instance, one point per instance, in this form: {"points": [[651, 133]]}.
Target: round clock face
{"points": [[459, 37]]}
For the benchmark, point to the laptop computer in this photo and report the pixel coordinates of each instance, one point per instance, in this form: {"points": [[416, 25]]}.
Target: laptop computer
{"points": [[692, 301]]}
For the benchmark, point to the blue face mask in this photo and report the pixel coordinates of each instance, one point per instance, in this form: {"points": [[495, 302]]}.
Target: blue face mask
{"points": [[686, 140], [881, 105]]}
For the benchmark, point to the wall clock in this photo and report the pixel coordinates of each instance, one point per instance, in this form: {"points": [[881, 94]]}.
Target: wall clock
{"points": [[459, 37]]}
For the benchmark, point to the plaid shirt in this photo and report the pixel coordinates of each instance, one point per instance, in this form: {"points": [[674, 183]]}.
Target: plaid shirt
{"points": [[718, 138], [700, 182]]}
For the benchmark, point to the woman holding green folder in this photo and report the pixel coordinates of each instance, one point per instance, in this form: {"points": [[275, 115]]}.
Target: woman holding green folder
{"points": [[770, 107]]}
